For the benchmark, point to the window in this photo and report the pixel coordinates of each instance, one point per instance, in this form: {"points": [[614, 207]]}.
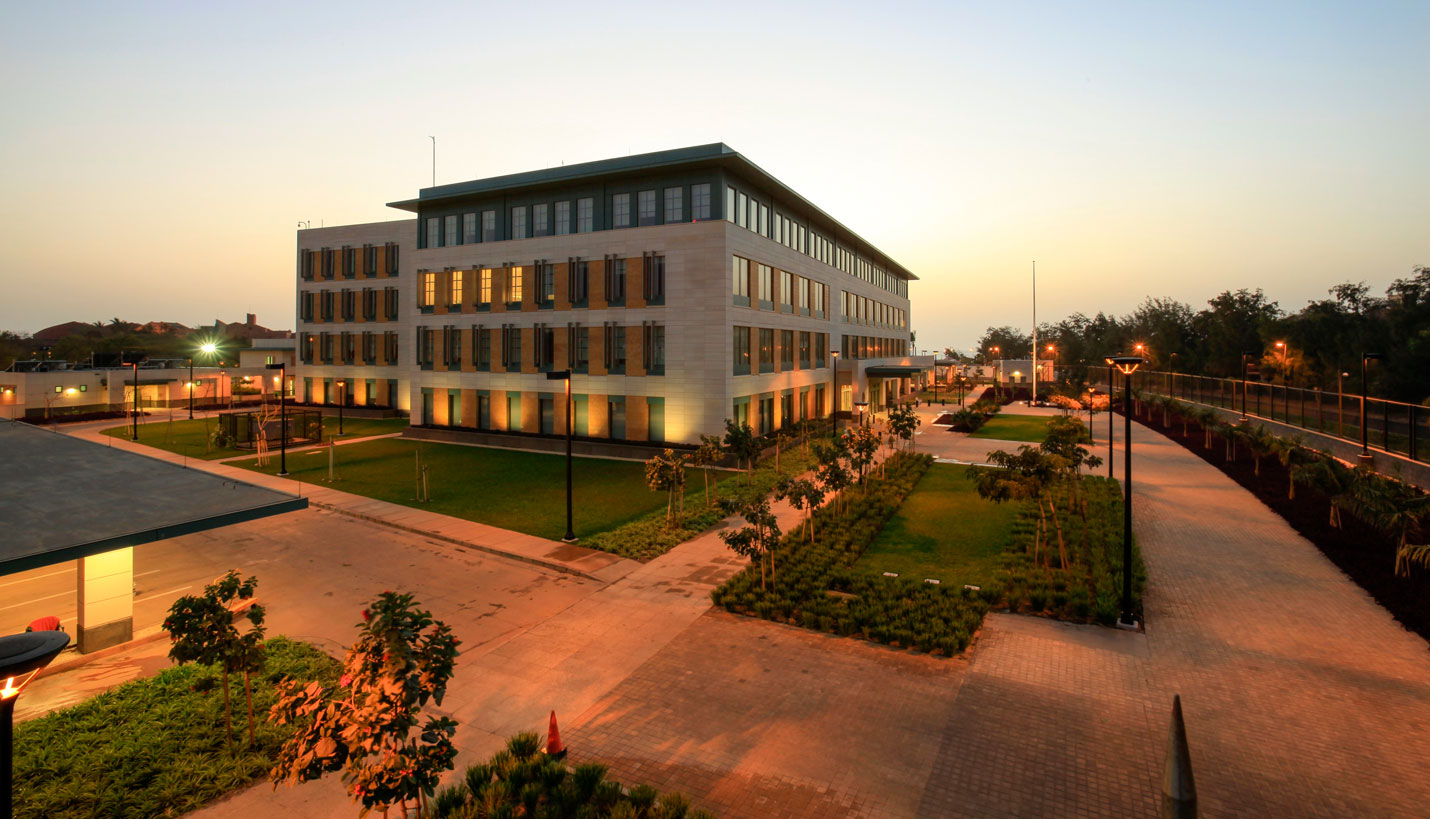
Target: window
{"points": [[369, 304], [452, 346], [653, 348], [305, 306], [801, 290], [645, 214], [821, 346], [615, 349], [391, 248], [424, 347], [653, 289], [369, 348], [514, 285], [434, 231], [730, 204], [484, 288], [544, 339], [752, 218], [742, 351], [540, 220], [578, 343], [742, 210], [585, 215], [579, 286], [786, 350], [767, 350], [563, 218], [347, 305], [546, 284], [389, 345], [766, 281], [389, 303], [674, 205], [451, 240], [325, 305], [764, 220], [740, 280], [700, 201], [349, 263], [767, 416], [469, 228], [455, 297], [429, 291], [786, 291], [621, 210], [804, 350], [518, 223], [489, 226], [484, 348], [307, 257], [615, 281], [511, 348]]}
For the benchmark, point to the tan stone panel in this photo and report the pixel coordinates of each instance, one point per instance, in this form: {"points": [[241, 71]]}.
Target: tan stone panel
{"points": [[558, 350], [499, 277], [530, 412], [596, 349], [498, 350], [637, 418], [635, 282], [469, 408], [598, 416], [439, 407], [635, 347], [469, 358], [381, 393], [597, 285], [528, 349], [498, 409], [560, 405]]}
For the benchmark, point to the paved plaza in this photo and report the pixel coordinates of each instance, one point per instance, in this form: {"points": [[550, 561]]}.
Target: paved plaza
{"points": [[1302, 696]]}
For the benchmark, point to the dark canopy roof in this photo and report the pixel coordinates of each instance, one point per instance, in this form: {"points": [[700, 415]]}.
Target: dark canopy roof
{"points": [[63, 498]]}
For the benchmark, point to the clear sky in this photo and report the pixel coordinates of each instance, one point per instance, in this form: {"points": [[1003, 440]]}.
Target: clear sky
{"points": [[155, 158]]}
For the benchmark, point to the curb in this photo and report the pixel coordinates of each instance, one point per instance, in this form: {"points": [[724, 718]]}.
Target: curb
{"points": [[535, 561], [84, 659]]}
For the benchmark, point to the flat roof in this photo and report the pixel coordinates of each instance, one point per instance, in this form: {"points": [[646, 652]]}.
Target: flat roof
{"points": [[715, 154], [63, 498]]}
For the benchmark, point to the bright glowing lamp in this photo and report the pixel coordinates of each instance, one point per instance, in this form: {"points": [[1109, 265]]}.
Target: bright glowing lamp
{"points": [[209, 348], [21, 658]]}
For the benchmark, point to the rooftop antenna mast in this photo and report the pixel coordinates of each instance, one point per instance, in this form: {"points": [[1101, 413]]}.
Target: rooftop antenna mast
{"points": [[434, 160]]}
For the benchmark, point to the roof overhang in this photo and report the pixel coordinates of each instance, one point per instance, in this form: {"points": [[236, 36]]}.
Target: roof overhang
{"points": [[64, 498], [893, 370]]}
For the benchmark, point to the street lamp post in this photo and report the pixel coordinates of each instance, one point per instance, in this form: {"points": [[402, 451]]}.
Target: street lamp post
{"points": [[191, 388], [1126, 364], [282, 368], [1341, 404], [833, 394], [996, 368], [859, 407], [565, 375], [1245, 381], [1111, 385], [21, 658], [135, 435], [342, 395], [1365, 359]]}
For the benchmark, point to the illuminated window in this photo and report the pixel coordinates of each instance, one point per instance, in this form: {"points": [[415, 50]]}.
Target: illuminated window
{"points": [[484, 287], [456, 294], [429, 290], [514, 284]]}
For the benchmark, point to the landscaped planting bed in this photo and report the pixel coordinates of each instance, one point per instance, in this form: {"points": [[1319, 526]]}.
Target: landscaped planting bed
{"points": [[816, 585], [194, 438], [522, 781], [156, 746]]}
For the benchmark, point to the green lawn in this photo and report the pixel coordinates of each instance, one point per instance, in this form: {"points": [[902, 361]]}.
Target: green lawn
{"points": [[188, 437], [521, 491], [945, 531], [156, 746], [1004, 427]]}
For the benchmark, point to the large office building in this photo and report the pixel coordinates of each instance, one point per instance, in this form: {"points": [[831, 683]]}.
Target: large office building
{"points": [[680, 288]]}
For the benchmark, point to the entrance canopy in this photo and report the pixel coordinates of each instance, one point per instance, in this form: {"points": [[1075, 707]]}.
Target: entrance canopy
{"points": [[893, 370], [62, 498]]}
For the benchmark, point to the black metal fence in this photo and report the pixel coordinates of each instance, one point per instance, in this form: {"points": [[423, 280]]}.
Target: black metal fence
{"points": [[1393, 426]]}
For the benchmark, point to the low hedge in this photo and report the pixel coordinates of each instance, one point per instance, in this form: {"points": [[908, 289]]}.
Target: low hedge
{"points": [[522, 781], [816, 586], [156, 746]]}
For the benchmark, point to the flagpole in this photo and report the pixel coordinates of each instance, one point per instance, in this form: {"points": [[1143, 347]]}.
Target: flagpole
{"points": [[1035, 332]]}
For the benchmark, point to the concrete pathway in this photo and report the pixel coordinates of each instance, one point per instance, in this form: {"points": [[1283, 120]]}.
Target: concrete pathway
{"points": [[551, 554]]}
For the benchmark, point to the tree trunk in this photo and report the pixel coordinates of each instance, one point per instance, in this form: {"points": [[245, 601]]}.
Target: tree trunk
{"points": [[227, 713], [248, 693], [1057, 524], [1291, 481], [1042, 527]]}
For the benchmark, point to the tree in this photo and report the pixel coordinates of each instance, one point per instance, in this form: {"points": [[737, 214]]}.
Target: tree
{"points": [[758, 537], [829, 459], [403, 658], [863, 447], [1012, 343], [707, 455], [903, 420], [804, 495], [1287, 450], [741, 442], [666, 472], [1023, 475], [201, 629]]}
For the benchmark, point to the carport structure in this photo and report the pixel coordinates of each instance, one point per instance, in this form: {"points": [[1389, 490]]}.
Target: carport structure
{"points": [[64, 499]]}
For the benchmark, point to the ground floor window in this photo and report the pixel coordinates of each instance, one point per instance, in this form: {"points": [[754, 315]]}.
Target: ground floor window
{"points": [[484, 410], [548, 415], [513, 411], [617, 407], [740, 412], [579, 423], [454, 408], [655, 409], [427, 405], [767, 416]]}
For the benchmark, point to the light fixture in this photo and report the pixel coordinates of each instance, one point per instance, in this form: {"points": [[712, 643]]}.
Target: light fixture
{"points": [[1125, 364], [208, 347], [21, 658], [71, 391]]}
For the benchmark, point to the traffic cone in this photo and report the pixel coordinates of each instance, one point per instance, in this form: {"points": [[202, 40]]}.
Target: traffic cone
{"points": [[554, 748]]}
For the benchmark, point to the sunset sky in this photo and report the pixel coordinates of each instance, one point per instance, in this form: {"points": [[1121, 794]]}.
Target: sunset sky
{"points": [[155, 158]]}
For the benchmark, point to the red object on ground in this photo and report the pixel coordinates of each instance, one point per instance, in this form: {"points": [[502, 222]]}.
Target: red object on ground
{"points": [[51, 623], [553, 740]]}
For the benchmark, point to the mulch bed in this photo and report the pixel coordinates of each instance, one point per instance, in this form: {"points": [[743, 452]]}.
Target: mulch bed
{"points": [[1361, 551]]}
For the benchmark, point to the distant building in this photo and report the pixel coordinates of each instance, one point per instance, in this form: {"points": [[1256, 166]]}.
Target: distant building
{"points": [[680, 288], [249, 329]]}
